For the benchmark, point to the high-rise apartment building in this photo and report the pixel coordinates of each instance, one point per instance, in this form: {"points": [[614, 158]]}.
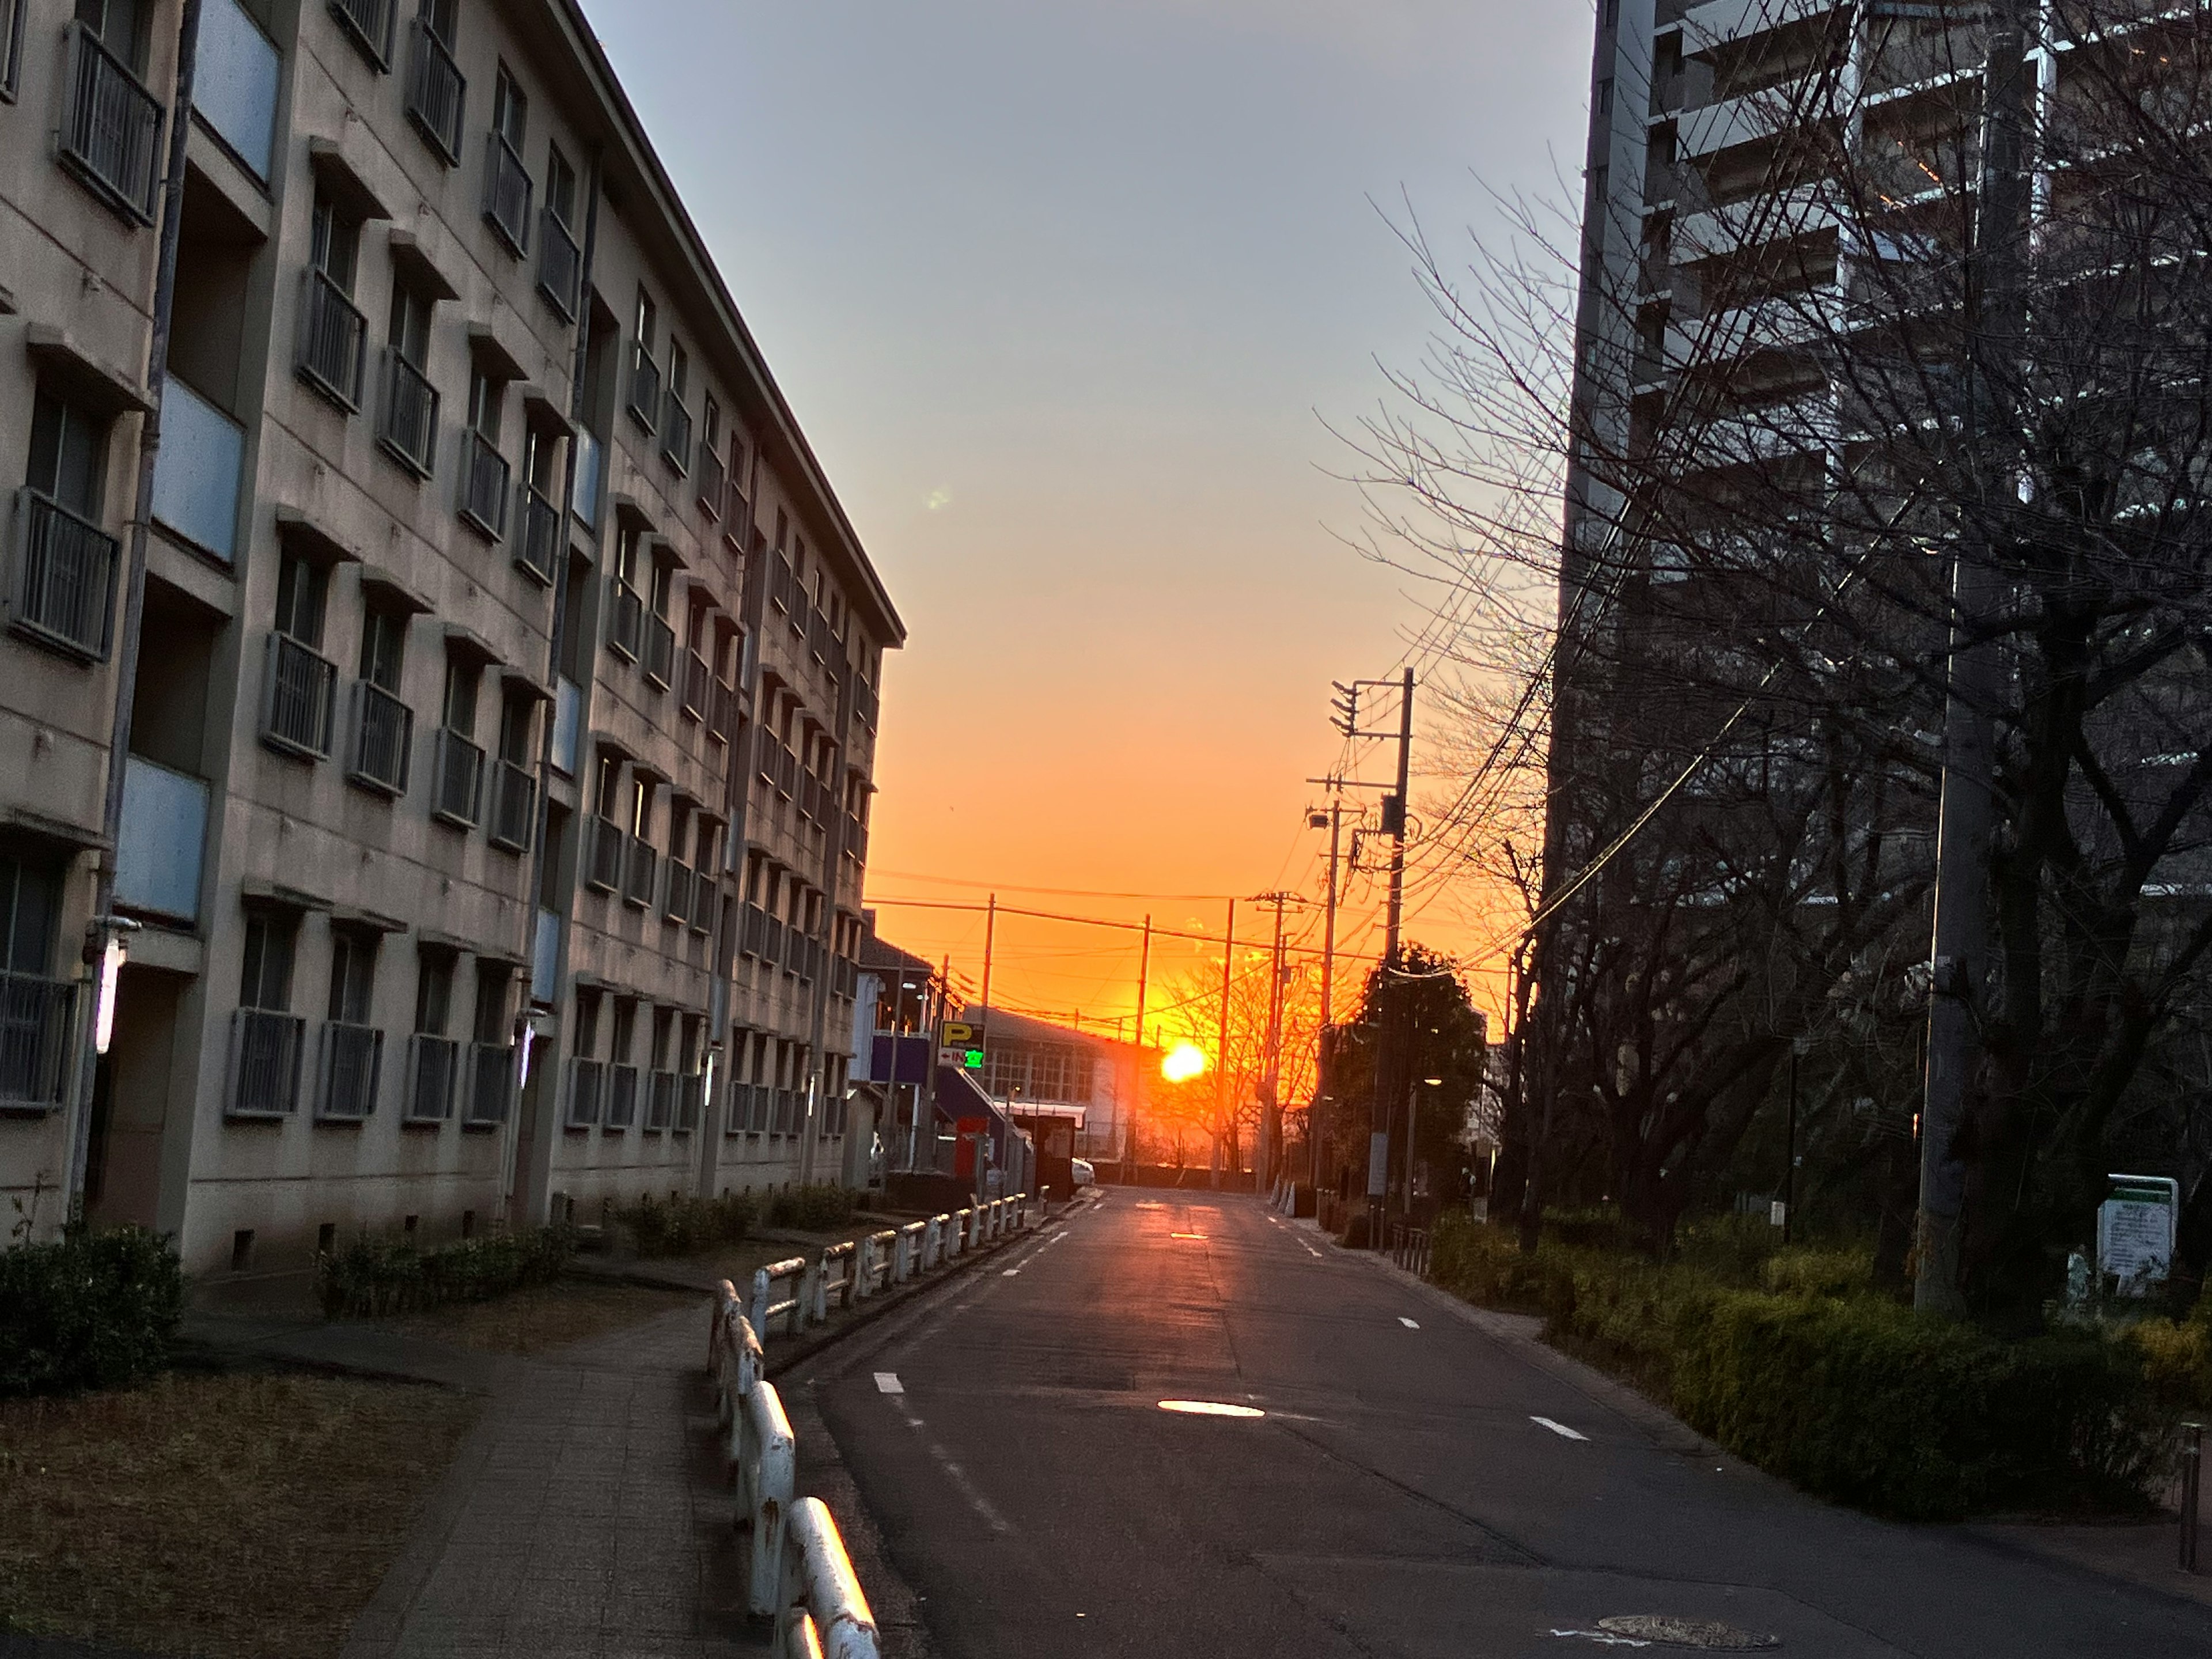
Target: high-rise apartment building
{"points": [[496, 800]]}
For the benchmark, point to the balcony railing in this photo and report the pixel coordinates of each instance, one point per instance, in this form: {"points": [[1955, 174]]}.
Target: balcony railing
{"points": [[621, 1096], [625, 618], [540, 543], [706, 898], [513, 807], [644, 389], [709, 468], [661, 1102], [588, 1088], [644, 866], [608, 843], [691, 1092], [506, 193], [675, 904], [383, 739], [658, 658], [369, 23], [197, 473], [265, 1047], [676, 434], [409, 427], [492, 1082], [297, 698], [459, 797], [64, 594], [698, 686], [867, 702], [484, 478], [111, 134], [353, 1061], [434, 1078], [37, 1023], [333, 338], [436, 91], [560, 265], [159, 853], [752, 931], [235, 89]]}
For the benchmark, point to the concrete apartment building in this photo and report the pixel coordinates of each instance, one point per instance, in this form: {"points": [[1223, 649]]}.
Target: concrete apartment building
{"points": [[495, 802]]}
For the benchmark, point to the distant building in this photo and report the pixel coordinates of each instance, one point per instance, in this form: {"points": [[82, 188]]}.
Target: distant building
{"points": [[1099, 1083], [510, 682]]}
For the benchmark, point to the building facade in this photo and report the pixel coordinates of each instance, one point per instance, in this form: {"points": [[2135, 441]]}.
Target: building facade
{"points": [[495, 798]]}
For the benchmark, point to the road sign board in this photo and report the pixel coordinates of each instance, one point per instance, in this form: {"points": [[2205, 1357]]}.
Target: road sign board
{"points": [[960, 1045]]}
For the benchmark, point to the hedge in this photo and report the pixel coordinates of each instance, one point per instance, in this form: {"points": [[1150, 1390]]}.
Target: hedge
{"points": [[684, 1224], [1806, 1373], [813, 1209], [371, 1276], [89, 1310]]}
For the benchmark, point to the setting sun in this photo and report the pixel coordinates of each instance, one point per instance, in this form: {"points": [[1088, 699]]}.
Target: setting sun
{"points": [[1184, 1061]]}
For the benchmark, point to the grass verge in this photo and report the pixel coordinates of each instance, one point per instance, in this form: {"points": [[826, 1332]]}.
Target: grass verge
{"points": [[540, 1318], [236, 1516]]}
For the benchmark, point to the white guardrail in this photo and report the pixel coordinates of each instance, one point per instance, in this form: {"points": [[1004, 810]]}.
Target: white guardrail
{"points": [[801, 1575]]}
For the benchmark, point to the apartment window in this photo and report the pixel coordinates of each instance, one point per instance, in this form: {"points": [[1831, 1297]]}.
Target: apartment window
{"points": [[626, 611], [485, 476], [676, 418], [352, 1047], [622, 1075], [63, 591], [436, 89], [333, 333], [645, 371], [560, 257], [370, 24], [507, 180], [491, 1057], [299, 697], [39, 1007], [459, 783], [711, 481], [514, 791], [409, 430], [436, 1069], [1605, 96], [268, 1039], [11, 46], [383, 725]]}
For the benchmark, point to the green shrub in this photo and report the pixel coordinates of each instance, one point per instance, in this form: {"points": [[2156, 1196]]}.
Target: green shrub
{"points": [[2177, 1358], [89, 1310], [1786, 1358], [1865, 1401], [813, 1209], [370, 1277], [683, 1225]]}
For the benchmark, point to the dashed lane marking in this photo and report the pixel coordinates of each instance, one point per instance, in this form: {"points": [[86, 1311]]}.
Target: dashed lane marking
{"points": [[1410, 1324], [888, 1382], [1560, 1428]]}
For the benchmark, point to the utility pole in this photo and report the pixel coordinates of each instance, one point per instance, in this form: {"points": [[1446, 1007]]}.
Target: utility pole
{"points": [[1997, 302], [1313, 1114], [1221, 1048], [990, 935], [1270, 1076], [1128, 1112]]}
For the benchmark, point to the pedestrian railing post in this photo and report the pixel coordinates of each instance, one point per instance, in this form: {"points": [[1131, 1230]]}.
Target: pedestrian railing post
{"points": [[818, 1583], [932, 1234], [758, 1312], [772, 1470], [2192, 1492]]}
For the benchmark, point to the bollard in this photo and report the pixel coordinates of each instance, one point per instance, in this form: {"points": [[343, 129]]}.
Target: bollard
{"points": [[2192, 1492], [771, 1472]]}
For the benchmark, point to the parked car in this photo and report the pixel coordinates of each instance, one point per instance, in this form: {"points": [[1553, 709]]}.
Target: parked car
{"points": [[1084, 1174]]}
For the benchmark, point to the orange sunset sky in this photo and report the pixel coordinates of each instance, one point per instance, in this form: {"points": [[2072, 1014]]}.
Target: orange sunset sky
{"points": [[1068, 299]]}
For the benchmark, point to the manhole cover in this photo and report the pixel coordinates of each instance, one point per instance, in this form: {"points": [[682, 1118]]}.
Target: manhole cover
{"points": [[1702, 1633]]}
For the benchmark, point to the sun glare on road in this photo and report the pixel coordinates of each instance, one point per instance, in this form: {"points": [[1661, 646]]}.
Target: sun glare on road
{"points": [[1186, 1235], [1209, 1408]]}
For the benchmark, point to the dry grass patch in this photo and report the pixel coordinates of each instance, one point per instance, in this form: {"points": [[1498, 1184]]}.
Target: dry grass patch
{"points": [[244, 1515], [542, 1317]]}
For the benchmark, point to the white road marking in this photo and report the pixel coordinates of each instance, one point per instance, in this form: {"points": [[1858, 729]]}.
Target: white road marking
{"points": [[888, 1382], [957, 1475], [1008, 1273], [1410, 1324], [1603, 1638], [1560, 1428], [1209, 1408]]}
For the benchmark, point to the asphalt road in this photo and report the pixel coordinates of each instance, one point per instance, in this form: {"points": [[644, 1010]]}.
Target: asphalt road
{"points": [[1402, 1496]]}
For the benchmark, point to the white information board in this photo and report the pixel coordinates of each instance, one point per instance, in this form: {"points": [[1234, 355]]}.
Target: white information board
{"points": [[2135, 1231]]}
